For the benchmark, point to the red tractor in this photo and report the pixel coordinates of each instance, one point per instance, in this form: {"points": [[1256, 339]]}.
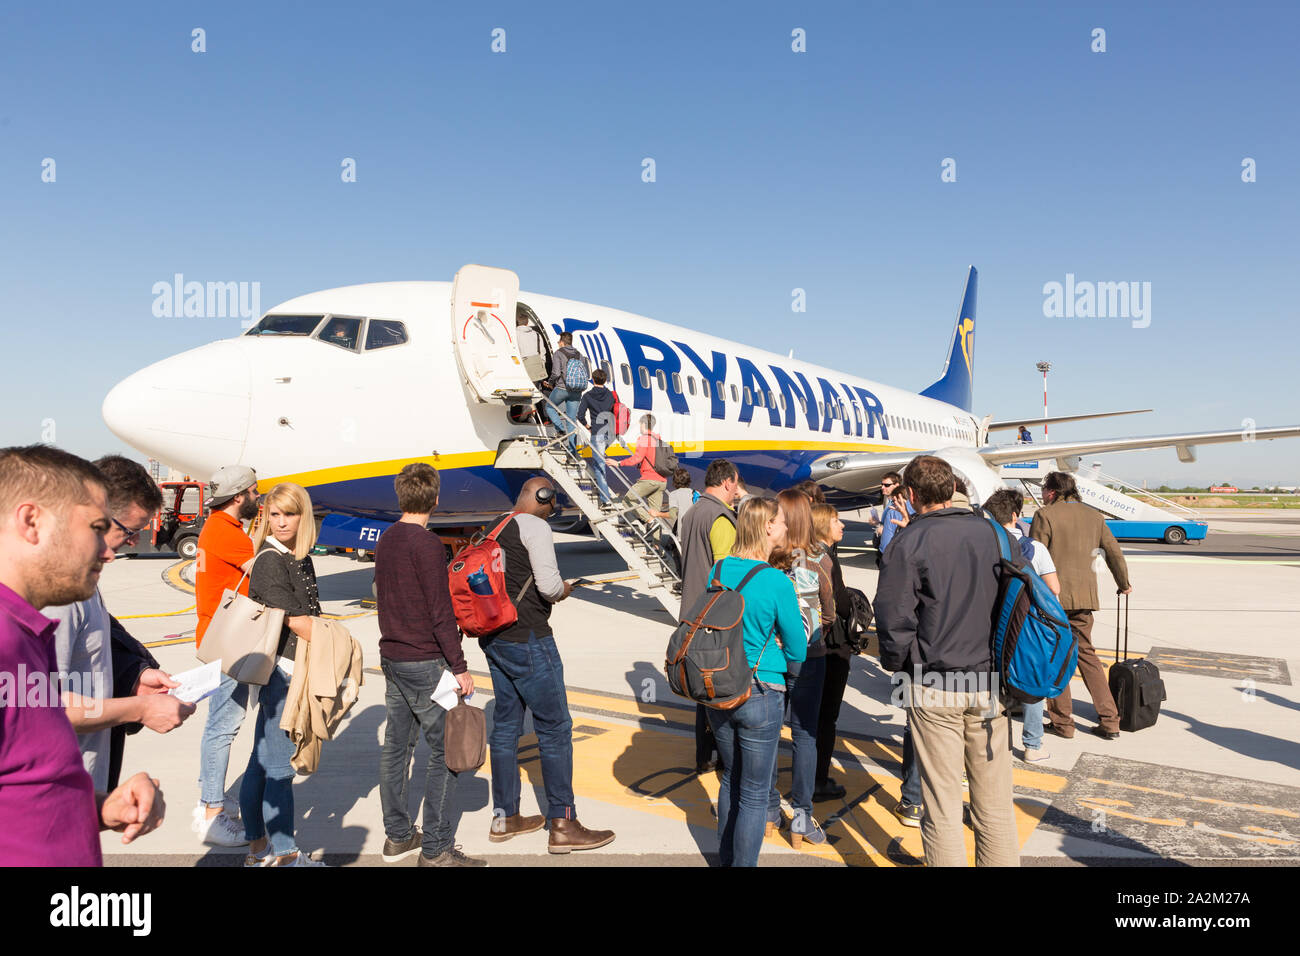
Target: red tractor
{"points": [[177, 526]]}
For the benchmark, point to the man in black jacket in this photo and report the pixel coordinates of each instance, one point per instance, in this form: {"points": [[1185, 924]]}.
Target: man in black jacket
{"points": [[596, 413], [934, 606]]}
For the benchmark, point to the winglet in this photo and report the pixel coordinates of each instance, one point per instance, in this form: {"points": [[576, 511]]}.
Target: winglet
{"points": [[956, 385]]}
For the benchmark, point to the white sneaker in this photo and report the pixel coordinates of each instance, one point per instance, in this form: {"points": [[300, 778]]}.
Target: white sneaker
{"points": [[1035, 754], [221, 830]]}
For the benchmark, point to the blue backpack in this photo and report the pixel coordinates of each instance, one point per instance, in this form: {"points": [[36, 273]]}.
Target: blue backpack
{"points": [[1034, 650], [576, 373]]}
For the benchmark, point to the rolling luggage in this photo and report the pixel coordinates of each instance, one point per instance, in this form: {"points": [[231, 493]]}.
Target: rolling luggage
{"points": [[1135, 684]]}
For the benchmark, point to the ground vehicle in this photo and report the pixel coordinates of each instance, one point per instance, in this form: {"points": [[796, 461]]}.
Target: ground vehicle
{"points": [[1170, 532], [176, 527]]}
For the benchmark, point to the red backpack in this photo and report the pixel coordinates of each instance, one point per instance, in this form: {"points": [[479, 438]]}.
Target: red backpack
{"points": [[477, 580], [622, 417]]}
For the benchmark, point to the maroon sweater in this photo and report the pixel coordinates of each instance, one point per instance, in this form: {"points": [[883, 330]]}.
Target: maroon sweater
{"points": [[416, 622]]}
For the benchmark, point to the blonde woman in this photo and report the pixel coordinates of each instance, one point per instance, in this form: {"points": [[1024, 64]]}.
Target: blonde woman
{"points": [[284, 578], [828, 531], [747, 737]]}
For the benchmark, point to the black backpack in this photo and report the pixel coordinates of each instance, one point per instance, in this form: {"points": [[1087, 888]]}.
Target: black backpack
{"points": [[665, 459], [851, 631], [706, 659]]}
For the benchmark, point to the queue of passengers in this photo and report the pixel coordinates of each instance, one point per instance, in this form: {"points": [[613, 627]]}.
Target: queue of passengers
{"points": [[62, 518]]}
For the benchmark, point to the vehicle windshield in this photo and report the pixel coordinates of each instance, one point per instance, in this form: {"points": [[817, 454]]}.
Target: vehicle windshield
{"points": [[286, 325]]}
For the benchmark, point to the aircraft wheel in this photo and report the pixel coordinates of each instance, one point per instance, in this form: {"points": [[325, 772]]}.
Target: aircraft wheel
{"points": [[1175, 535]]}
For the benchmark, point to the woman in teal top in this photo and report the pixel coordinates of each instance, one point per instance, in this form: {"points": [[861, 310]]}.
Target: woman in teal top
{"points": [[747, 737]]}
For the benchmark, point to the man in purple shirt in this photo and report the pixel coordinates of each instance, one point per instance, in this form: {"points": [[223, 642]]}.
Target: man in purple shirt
{"points": [[418, 643], [53, 519]]}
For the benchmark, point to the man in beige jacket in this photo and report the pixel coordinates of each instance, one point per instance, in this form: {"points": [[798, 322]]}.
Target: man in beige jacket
{"points": [[1072, 532]]}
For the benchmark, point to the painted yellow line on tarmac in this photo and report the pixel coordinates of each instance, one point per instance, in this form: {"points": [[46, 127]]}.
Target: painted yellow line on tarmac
{"points": [[650, 769], [132, 617]]}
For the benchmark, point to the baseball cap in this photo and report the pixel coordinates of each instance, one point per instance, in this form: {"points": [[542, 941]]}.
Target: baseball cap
{"points": [[228, 481]]}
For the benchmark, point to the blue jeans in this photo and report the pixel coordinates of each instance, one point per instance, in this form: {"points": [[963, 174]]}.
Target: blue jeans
{"points": [[747, 738], [911, 770], [1032, 734], [411, 711], [599, 442], [804, 702], [568, 401], [226, 708], [530, 676], [266, 795]]}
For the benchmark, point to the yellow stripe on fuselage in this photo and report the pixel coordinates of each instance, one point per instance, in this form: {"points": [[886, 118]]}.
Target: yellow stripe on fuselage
{"points": [[473, 459]]}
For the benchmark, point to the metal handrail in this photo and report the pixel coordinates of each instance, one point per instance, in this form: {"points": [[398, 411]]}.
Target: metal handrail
{"points": [[623, 517], [1103, 477]]}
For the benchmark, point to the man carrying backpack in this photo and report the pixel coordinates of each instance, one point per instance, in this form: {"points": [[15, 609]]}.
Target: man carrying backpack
{"points": [[1072, 531], [569, 376], [596, 412], [938, 586], [527, 675], [652, 483]]}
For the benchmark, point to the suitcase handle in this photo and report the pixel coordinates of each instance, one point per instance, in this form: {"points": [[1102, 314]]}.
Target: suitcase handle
{"points": [[1117, 657]]}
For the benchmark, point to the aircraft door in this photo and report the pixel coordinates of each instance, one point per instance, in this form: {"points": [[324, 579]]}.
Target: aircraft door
{"points": [[483, 320]]}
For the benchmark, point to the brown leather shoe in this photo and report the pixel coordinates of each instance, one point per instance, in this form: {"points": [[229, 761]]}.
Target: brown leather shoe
{"points": [[569, 835], [503, 828]]}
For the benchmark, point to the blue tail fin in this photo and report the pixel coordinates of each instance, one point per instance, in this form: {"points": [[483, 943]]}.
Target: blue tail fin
{"points": [[957, 383]]}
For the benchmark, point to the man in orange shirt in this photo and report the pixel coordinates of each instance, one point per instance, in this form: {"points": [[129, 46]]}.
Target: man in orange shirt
{"points": [[225, 554]]}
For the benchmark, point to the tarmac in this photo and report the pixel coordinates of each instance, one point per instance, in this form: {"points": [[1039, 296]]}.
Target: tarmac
{"points": [[1216, 780]]}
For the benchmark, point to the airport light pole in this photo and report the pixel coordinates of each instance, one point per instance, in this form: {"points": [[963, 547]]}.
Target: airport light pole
{"points": [[1044, 367]]}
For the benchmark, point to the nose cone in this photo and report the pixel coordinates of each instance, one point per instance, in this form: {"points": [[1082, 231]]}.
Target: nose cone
{"points": [[189, 411]]}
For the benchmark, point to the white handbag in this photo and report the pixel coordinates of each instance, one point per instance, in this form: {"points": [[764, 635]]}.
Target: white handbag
{"points": [[243, 635]]}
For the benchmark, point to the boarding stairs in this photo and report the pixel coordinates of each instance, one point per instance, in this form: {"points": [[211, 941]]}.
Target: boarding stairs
{"points": [[1094, 490], [649, 550]]}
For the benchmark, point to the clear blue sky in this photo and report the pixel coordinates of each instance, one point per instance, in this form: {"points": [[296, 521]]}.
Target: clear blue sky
{"points": [[775, 171]]}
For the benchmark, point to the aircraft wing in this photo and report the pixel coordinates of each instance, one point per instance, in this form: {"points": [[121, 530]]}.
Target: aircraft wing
{"points": [[1031, 422], [860, 472], [1185, 443]]}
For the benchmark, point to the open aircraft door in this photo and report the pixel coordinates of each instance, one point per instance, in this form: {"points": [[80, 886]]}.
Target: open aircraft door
{"points": [[483, 334]]}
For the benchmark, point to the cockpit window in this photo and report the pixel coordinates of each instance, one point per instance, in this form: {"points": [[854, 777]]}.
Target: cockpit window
{"points": [[286, 325], [381, 333], [342, 332]]}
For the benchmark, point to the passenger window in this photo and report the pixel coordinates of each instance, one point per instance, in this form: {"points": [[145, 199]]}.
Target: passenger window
{"points": [[644, 374], [783, 401], [771, 399], [341, 332], [821, 409], [286, 325], [803, 404], [857, 414], [690, 384], [735, 396], [627, 374], [704, 387], [677, 383], [381, 333], [661, 380], [609, 372], [760, 399], [749, 396]]}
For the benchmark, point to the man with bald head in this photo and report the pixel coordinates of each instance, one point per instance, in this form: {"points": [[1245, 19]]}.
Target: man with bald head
{"points": [[527, 676]]}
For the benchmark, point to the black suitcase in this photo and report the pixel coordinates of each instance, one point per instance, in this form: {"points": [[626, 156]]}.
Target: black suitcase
{"points": [[1135, 684]]}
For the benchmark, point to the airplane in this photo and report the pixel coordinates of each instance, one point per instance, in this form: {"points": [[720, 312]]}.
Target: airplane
{"points": [[337, 390]]}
